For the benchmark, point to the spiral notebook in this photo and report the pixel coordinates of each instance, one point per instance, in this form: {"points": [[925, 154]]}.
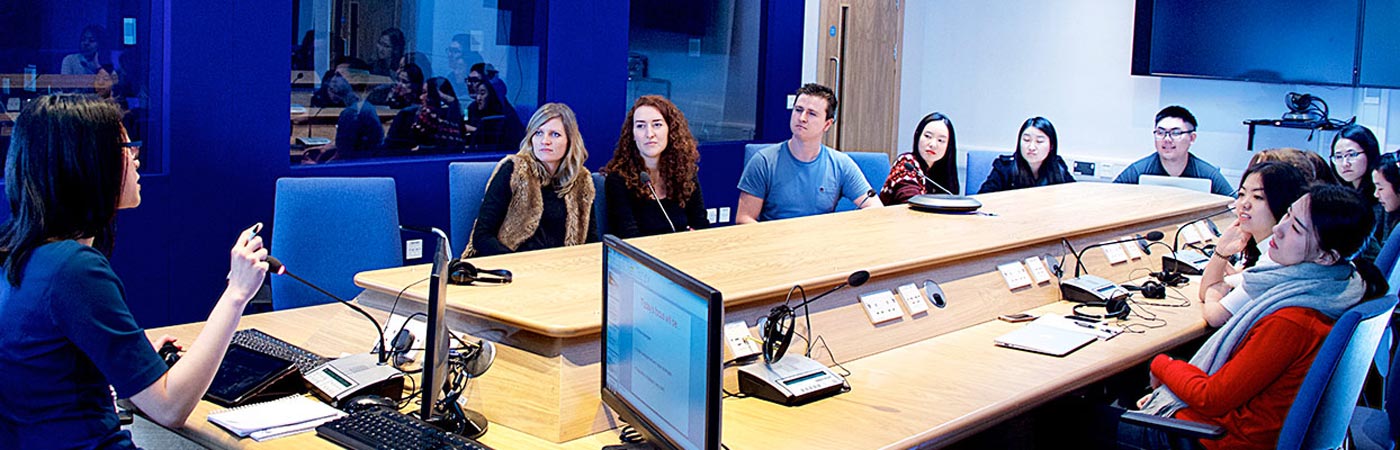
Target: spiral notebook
{"points": [[272, 419]]}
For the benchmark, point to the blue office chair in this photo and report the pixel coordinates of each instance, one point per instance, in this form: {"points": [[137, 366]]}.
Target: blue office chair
{"points": [[750, 150], [1323, 408], [875, 167], [979, 166], [466, 185], [1388, 255], [328, 229], [600, 206], [1373, 428]]}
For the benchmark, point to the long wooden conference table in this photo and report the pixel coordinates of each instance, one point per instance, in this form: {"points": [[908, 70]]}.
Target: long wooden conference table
{"points": [[926, 380]]}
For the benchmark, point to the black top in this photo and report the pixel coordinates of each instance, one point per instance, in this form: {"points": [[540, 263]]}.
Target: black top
{"points": [[631, 214], [1005, 175], [495, 205]]}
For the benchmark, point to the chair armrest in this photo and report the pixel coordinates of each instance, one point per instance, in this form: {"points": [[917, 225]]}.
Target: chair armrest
{"points": [[1175, 426]]}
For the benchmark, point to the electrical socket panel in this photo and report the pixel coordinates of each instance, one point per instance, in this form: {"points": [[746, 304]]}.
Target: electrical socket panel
{"points": [[913, 299], [1039, 273], [1115, 254], [740, 340], [881, 306], [1133, 249], [1190, 236], [1015, 275], [413, 249], [1204, 230]]}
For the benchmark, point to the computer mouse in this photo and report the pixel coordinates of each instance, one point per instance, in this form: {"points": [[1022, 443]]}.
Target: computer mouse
{"points": [[364, 402]]}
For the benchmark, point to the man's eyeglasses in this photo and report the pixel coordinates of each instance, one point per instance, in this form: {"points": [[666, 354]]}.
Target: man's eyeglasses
{"points": [[1170, 134], [1345, 158]]}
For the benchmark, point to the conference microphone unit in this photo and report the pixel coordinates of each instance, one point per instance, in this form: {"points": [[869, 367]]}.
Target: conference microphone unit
{"points": [[1093, 289], [1187, 262], [777, 328], [275, 266], [646, 179], [945, 202]]}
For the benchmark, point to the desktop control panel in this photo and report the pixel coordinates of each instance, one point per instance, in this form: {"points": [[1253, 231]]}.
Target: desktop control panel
{"points": [[1133, 249], [1114, 253]]}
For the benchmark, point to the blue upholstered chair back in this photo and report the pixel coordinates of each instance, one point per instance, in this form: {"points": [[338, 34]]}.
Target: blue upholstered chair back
{"points": [[1322, 411], [466, 185], [600, 206], [328, 229], [979, 166], [875, 167], [750, 150], [1386, 259]]}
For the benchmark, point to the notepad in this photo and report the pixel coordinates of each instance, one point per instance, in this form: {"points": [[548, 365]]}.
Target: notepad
{"points": [[282, 417]]}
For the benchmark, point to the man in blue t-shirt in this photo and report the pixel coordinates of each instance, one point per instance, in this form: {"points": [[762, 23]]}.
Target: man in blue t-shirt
{"points": [[1174, 134], [800, 176]]}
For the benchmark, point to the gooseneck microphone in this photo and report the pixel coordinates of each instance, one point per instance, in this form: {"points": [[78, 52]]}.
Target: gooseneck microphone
{"points": [[1153, 236], [1185, 261], [911, 166], [275, 266], [646, 179], [778, 328]]}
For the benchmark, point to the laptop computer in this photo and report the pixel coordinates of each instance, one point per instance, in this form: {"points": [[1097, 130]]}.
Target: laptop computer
{"points": [[1040, 337], [1195, 184]]}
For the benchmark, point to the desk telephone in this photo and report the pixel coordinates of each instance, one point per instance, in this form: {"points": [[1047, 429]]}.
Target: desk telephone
{"points": [[1091, 289]]}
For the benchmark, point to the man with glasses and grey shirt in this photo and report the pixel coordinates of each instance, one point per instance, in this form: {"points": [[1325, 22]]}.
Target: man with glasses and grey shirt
{"points": [[1174, 134]]}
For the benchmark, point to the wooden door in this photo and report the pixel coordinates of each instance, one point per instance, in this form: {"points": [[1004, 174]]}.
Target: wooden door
{"points": [[859, 48]]}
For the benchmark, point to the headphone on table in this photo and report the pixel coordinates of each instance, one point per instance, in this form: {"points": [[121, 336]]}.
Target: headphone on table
{"points": [[1150, 289], [1114, 308], [460, 272]]}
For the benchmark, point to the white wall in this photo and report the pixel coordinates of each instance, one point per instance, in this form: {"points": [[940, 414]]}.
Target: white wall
{"points": [[990, 68]]}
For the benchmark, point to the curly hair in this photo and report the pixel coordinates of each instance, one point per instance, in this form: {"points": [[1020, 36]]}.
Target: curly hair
{"points": [[678, 160]]}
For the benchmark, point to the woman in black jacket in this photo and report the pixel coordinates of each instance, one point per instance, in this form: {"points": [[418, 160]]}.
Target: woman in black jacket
{"points": [[1037, 161], [656, 144]]}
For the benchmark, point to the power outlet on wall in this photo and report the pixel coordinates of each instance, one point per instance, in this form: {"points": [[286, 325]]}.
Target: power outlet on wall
{"points": [[413, 249]]}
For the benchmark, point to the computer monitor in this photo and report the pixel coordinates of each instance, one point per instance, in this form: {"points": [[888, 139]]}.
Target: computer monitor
{"points": [[661, 349], [1195, 184]]}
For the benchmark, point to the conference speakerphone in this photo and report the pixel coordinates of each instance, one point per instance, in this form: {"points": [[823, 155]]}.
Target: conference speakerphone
{"points": [[793, 380]]}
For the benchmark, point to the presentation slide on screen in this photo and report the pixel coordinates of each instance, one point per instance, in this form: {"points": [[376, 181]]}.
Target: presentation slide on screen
{"points": [[661, 370]]}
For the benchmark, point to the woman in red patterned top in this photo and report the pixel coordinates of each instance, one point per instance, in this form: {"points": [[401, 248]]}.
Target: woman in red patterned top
{"points": [[935, 154], [1246, 375]]}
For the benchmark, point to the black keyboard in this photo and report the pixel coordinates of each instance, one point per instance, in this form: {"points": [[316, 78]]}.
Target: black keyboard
{"points": [[261, 342], [385, 429]]}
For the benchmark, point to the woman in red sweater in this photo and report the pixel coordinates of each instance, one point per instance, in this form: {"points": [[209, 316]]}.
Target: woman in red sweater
{"points": [[1246, 375]]}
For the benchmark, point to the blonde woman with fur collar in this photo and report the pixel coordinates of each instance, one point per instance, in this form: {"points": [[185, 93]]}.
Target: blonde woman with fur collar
{"points": [[542, 196]]}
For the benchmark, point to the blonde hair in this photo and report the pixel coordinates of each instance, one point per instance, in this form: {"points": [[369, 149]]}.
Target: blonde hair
{"points": [[567, 178]]}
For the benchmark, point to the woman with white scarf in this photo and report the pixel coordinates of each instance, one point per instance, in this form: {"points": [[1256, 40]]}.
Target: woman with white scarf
{"points": [[1245, 376]]}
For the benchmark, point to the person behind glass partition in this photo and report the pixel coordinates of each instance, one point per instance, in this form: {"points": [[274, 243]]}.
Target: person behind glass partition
{"points": [[440, 124], [655, 141], [88, 59], [540, 197], [935, 155], [1036, 162], [389, 51], [71, 339]]}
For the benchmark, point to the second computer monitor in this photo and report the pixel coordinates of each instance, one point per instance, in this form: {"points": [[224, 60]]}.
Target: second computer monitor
{"points": [[661, 349]]}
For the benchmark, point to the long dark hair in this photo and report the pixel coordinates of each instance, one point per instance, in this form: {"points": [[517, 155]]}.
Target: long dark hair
{"points": [[1389, 169], [677, 163], [1024, 175], [1363, 137], [63, 176], [452, 110], [1283, 184], [1343, 222], [945, 170]]}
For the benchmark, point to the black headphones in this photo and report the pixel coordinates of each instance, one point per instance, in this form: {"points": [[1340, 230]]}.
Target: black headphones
{"points": [[777, 332], [462, 273], [1115, 308], [1173, 279], [1149, 289]]}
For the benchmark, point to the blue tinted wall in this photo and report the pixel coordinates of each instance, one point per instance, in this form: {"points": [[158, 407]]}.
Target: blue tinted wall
{"points": [[227, 86]]}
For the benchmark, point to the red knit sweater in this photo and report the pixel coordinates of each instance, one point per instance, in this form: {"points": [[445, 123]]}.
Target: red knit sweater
{"points": [[1250, 395]]}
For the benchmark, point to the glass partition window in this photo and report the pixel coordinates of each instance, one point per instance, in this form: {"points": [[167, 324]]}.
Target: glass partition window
{"points": [[392, 79], [703, 55], [75, 46]]}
